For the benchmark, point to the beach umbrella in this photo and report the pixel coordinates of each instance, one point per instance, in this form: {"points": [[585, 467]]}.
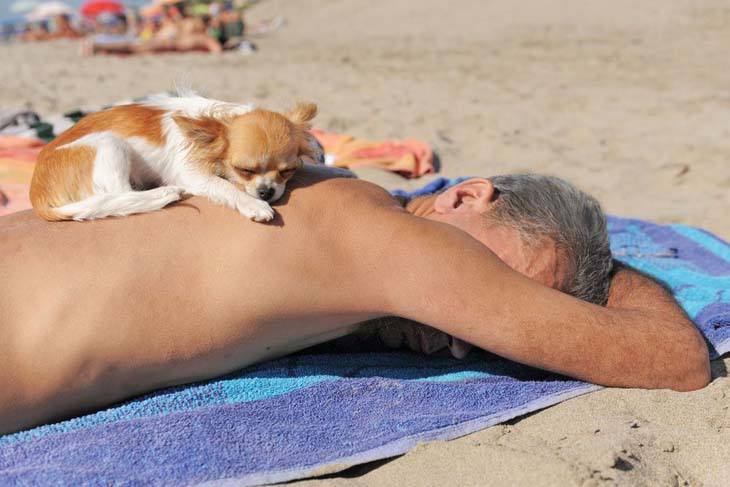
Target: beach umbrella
{"points": [[23, 6], [47, 10], [92, 8]]}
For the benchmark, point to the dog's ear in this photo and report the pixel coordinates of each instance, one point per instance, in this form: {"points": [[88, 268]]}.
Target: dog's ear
{"points": [[310, 150], [300, 116], [203, 131], [302, 113], [206, 135]]}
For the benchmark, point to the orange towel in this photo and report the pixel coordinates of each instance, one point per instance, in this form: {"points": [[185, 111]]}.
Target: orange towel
{"points": [[16, 142], [409, 157], [17, 159]]}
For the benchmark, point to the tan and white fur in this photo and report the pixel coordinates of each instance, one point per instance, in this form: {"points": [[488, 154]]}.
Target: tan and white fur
{"points": [[139, 158]]}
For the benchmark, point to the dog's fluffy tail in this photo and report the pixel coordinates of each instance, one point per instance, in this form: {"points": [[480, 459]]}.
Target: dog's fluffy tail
{"points": [[116, 204]]}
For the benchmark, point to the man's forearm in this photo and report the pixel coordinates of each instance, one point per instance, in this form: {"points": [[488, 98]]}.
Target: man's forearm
{"points": [[641, 341]]}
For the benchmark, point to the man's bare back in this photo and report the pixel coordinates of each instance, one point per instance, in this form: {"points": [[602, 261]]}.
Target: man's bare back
{"points": [[97, 312], [128, 305]]}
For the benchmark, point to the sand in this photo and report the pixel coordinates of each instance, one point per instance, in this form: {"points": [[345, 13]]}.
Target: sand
{"points": [[629, 100]]}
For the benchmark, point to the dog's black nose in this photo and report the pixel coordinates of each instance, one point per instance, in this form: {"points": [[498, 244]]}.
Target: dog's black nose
{"points": [[266, 194]]}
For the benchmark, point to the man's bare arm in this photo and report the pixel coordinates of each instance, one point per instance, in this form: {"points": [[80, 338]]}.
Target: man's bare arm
{"points": [[642, 298], [458, 286]]}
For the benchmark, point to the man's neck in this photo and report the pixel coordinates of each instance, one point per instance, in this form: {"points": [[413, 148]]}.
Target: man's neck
{"points": [[421, 206]]}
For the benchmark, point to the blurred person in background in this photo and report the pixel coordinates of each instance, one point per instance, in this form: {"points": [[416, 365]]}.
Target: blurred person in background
{"points": [[35, 31], [62, 28], [112, 35], [227, 26], [148, 28], [175, 33], [232, 26]]}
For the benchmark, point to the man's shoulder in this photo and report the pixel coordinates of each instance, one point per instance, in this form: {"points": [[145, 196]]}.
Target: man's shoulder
{"points": [[340, 188]]}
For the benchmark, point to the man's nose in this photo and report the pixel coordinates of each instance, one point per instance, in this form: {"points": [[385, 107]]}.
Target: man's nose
{"points": [[266, 194]]}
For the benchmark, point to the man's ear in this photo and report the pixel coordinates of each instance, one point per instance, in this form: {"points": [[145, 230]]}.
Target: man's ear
{"points": [[302, 113], [474, 194], [202, 131]]}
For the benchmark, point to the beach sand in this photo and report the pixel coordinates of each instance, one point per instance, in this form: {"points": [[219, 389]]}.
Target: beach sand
{"points": [[629, 100]]}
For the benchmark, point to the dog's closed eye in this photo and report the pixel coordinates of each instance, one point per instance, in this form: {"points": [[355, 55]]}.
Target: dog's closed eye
{"points": [[245, 172]]}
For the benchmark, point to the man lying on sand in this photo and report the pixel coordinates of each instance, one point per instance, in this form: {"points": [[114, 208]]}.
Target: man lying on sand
{"points": [[176, 33], [97, 312]]}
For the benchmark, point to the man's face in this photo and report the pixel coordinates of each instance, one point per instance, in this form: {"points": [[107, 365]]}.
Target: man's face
{"points": [[468, 205]]}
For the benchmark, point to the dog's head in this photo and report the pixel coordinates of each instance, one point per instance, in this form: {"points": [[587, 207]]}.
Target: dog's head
{"points": [[258, 151], [266, 148]]}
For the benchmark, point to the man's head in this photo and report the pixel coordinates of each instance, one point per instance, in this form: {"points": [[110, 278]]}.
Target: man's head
{"points": [[541, 226]]}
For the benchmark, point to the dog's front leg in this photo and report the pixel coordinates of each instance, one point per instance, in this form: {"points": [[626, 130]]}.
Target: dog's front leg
{"points": [[225, 193]]}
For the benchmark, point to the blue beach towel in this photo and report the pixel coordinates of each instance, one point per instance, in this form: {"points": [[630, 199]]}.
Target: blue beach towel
{"points": [[316, 413]]}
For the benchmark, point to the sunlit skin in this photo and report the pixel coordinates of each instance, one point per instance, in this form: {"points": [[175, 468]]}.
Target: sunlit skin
{"points": [[93, 313], [467, 207]]}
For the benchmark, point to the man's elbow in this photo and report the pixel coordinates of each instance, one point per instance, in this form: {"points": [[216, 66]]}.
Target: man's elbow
{"points": [[692, 365]]}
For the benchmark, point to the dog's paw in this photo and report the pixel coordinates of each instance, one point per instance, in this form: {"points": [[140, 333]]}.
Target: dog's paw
{"points": [[256, 210], [173, 191], [168, 194]]}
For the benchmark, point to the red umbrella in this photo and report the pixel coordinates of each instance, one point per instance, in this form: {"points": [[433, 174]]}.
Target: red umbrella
{"points": [[92, 8]]}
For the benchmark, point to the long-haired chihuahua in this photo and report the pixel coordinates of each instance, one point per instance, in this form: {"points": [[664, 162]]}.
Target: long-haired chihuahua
{"points": [[139, 158]]}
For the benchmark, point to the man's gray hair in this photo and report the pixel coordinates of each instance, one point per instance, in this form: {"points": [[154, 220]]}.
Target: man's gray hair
{"points": [[545, 206]]}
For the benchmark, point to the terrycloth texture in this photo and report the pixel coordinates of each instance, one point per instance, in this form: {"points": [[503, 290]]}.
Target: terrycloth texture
{"points": [[291, 418], [694, 263], [410, 158], [315, 413]]}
